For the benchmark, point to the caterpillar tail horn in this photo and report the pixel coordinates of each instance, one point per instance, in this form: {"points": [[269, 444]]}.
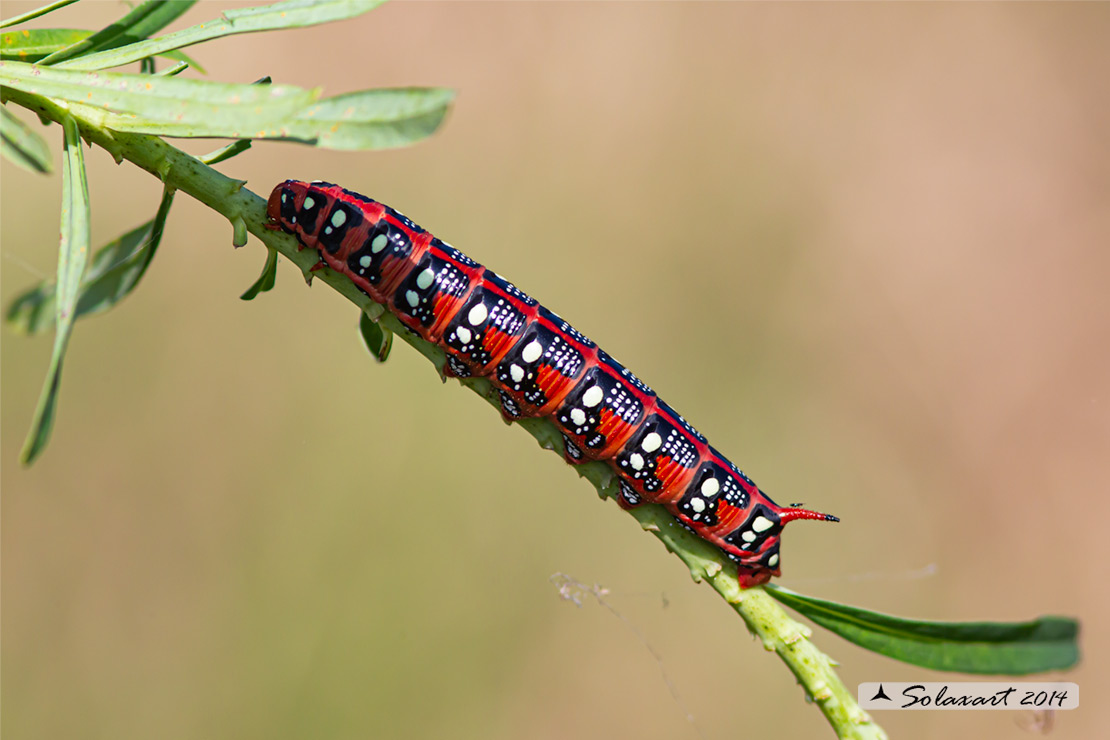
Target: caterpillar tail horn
{"points": [[791, 513]]}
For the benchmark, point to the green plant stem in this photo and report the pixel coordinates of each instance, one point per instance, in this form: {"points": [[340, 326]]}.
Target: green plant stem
{"points": [[764, 617]]}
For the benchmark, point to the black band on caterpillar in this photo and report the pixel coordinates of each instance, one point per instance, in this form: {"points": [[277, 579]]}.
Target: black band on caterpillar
{"points": [[541, 366]]}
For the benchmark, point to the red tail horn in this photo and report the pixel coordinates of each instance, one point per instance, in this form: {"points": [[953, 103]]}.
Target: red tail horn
{"points": [[792, 513]]}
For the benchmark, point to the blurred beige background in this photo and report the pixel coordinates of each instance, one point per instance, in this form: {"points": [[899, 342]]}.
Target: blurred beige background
{"points": [[862, 247]]}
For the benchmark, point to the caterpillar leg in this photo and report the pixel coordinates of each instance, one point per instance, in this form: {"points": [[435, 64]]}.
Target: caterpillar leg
{"points": [[753, 576], [754, 569], [572, 453], [510, 411], [628, 498], [453, 368]]}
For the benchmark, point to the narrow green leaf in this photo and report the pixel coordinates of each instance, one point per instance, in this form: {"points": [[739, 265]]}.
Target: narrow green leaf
{"points": [[226, 152], [174, 70], [36, 13], [996, 648], [372, 119], [144, 19], [266, 280], [73, 256], [36, 43], [164, 105], [32, 312], [378, 339], [180, 56], [289, 14], [197, 108], [21, 145], [114, 272]]}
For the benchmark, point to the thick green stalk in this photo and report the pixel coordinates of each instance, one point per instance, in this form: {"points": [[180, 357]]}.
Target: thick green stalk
{"points": [[763, 616]]}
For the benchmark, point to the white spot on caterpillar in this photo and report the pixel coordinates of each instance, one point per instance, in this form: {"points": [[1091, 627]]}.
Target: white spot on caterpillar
{"points": [[309, 202], [284, 197], [338, 218], [477, 315], [327, 229], [593, 396], [762, 524], [748, 536], [652, 442], [578, 416], [773, 560], [365, 260], [710, 487], [532, 352], [464, 334], [412, 298], [425, 279], [378, 243], [697, 505], [516, 372], [636, 460]]}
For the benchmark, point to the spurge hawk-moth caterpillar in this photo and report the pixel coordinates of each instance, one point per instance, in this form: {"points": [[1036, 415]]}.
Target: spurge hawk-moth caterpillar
{"points": [[541, 366]]}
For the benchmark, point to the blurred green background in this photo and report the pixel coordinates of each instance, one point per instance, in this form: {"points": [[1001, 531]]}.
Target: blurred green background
{"points": [[862, 248]]}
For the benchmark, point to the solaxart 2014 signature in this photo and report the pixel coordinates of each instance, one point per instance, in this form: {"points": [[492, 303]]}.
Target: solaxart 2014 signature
{"points": [[968, 695]]}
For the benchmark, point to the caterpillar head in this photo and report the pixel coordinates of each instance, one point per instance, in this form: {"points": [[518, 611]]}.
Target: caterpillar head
{"points": [[284, 203]]}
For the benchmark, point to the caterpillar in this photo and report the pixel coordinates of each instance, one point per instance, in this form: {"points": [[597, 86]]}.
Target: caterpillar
{"points": [[541, 366]]}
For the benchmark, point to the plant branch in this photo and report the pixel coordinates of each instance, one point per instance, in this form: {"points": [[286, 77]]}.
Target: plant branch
{"points": [[764, 617]]}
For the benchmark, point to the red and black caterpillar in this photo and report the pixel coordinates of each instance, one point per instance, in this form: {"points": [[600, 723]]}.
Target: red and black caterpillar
{"points": [[541, 366]]}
